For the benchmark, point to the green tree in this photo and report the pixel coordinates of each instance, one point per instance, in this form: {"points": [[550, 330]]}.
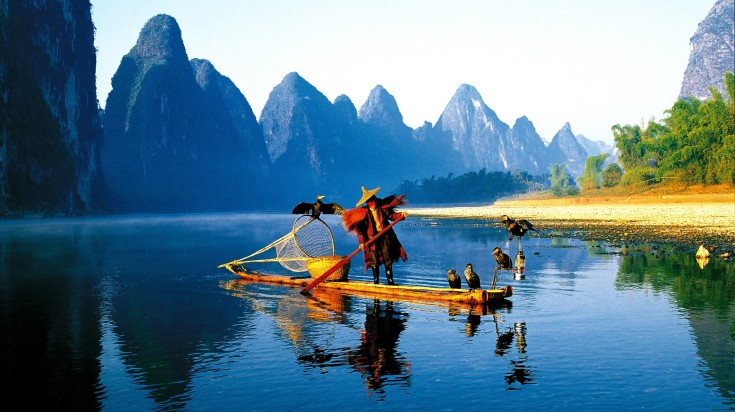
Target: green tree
{"points": [[612, 175], [561, 182], [694, 143], [590, 179], [640, 153]]}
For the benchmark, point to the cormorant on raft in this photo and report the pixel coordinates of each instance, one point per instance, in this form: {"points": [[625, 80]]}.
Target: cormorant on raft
{"points": [[453, 278], [473, 281], [517, 227], [317, 208], [502, 259]]}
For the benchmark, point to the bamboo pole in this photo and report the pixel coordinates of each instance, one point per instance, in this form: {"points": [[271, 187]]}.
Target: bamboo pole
{"points": [[347, 258]]}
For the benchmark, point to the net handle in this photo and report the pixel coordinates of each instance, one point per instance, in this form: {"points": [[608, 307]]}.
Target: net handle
{"points": [[294, 259]]}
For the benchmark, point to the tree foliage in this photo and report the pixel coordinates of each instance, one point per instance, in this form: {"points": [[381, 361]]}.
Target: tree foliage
{"points": [[694, 144], [612, 175], [482, 186], [562, 183], [592, 176]]}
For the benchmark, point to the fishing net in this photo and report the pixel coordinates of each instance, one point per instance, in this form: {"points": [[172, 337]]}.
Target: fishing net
{"points": [[309, 238]]}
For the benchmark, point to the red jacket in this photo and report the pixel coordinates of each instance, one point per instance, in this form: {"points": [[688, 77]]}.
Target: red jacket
{"points": [[361, 222]]}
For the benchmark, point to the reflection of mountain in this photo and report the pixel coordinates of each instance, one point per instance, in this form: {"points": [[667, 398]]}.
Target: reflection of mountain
{"points": [[568, 257], [49, 336], [708, 298], [162, 333], [161, 329]]}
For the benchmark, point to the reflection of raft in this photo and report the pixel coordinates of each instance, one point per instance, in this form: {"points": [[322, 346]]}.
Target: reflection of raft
{"points": [[414, 293]]}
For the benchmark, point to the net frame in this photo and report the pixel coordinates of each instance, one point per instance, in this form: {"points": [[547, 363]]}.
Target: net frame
{"points": [[310, 237]]}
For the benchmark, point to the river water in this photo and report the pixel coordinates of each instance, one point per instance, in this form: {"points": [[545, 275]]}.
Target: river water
{"points": [[133, 313]]}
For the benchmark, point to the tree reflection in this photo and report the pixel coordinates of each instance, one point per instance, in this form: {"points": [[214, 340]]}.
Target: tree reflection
{"points": [[705, 293]]}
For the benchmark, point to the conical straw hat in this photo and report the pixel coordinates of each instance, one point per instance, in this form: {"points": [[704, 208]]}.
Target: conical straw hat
{"points": [[367, 194]]}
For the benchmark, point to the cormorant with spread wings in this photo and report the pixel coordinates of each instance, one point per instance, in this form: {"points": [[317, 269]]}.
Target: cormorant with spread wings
{"points": [[517, 227], [317, 208]]}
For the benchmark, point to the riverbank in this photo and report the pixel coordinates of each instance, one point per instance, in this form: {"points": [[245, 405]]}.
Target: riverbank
{"points": [[690, 218]]}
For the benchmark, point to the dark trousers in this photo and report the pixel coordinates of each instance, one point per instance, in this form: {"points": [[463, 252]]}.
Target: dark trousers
{"points": [[381, 251]]}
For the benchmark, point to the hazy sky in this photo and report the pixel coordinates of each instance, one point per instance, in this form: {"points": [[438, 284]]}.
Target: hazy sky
{"points": [[592, 63]]}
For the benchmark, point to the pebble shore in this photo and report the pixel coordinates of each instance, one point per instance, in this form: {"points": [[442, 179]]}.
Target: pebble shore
{"points": [[687, 224]]}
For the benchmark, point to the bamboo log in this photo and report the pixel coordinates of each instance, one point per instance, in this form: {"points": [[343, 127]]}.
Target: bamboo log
{"points": [[419, 293]]}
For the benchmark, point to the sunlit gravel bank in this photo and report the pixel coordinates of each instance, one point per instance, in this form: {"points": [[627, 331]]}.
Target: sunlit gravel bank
{"points": [[712, 224]]}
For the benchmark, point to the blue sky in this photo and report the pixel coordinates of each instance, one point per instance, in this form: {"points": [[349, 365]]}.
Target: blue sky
{"points": [[592, 63]]}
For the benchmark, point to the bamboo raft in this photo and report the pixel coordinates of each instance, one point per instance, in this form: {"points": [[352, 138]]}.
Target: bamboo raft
{"points": [[398, 292]]}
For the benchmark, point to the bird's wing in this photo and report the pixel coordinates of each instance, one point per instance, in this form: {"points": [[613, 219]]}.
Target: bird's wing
{"points": [[302, 208], [526, 223], [332, 209]]}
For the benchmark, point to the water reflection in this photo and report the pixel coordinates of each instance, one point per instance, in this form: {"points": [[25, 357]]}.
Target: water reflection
{"points": [[376, 357], [519, 371], [131, 313], [706, 296]]}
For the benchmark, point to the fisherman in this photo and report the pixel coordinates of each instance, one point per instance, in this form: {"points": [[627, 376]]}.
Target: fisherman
{"points": [[367, 221]]}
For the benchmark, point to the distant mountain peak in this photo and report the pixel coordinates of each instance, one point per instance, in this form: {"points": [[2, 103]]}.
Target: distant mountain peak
{"points": [[160, 39], [381, 108], [204, 71], [564, 148], [344, 107], [523, 123], [295, 86], [466, 89], [469, 94], [292, 78], [712, 52]]}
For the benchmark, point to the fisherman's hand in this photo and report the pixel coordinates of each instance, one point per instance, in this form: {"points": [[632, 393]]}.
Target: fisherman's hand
{"points": [[362, 246], [405, 214]]}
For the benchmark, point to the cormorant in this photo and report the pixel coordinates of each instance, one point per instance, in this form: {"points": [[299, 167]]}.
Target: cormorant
{"points": [[453, 278], [502, 259], [317, 208], [517, 227], [473, 281]]}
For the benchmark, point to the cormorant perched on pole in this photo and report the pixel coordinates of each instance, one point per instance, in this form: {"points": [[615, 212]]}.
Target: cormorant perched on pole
{"points": [[473, 281], [317, 208], [517, 227], [453, 278], [503, 262], [502, 259]]}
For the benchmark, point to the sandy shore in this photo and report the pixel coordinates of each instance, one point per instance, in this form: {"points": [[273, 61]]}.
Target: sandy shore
{"points": [[688, 221]]}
